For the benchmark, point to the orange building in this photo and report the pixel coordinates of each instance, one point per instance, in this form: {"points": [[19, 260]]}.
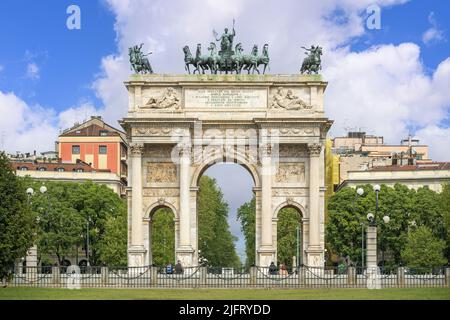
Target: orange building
{"points": [[96, 143]]}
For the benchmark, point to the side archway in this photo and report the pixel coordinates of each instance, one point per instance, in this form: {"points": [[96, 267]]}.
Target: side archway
{"points": [[290, 243], [162, 222]]}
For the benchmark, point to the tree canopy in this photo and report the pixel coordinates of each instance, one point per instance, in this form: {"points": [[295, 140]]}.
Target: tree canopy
{"points": [[423, 250], [67, 211], [215, 241], [288, 221], [17, 221], [247, 215], [163, 237], [406, 208]]}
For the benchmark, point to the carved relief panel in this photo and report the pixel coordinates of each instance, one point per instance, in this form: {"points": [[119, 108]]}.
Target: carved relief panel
{"points": [[289, 99], [162, 99], [290, 172], [161, 172]]}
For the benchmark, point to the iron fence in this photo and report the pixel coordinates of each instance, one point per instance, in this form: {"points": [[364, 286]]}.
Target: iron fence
{"points": [[218, 277]]}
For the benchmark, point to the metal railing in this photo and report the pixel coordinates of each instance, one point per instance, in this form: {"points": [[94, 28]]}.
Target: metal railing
{"points": [[217, 277]]}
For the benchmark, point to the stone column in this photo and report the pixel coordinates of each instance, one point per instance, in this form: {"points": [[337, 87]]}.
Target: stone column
{"points": [[185, 251], [371, 247], [136, 250], [266, 250], [31, 263], [314, 251]]}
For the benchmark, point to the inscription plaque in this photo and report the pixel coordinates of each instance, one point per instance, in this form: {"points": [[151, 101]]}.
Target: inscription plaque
{"points": [[225, 98]]}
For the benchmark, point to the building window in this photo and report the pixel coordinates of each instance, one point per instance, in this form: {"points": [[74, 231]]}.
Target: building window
{"points": [[23, 168], [60, 169], [102, 149], [75, 149], [78, 170], [103, 133], [42, 169]]}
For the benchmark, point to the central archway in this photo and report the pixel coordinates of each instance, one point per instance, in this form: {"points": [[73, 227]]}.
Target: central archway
{"points": [[223, 187]]}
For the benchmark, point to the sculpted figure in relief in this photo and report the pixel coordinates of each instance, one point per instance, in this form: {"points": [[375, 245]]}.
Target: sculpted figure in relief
{"points": [[161, 172], [168, 100], [290, 172], [287, 101]]}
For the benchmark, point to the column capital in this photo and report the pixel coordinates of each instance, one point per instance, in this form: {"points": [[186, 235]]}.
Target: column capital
{"points": [[314, 149], [266, 149], [137, 149], [184, 150]]}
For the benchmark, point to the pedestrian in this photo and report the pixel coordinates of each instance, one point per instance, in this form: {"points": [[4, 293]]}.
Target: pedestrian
{"points": [[283, 270], [178, 268], [169, 269], [272, 268]]}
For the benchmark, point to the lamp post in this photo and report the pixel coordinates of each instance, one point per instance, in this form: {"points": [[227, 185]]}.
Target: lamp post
{"points": [[372, 232], [299, 260], [31, 259], [87, 241]]}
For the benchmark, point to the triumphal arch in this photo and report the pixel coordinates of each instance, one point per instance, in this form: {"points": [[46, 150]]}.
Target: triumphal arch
{"points": [[179, 125]]}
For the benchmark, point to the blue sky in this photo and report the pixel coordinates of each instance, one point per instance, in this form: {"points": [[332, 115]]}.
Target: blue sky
{"points": [[35, 32], [389, 82]]}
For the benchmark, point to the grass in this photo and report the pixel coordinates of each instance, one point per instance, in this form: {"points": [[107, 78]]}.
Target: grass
{"points": [[14, 293]]}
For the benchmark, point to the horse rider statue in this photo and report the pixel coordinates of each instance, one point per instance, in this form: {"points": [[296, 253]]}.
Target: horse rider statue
{"points": [[312, 63]]}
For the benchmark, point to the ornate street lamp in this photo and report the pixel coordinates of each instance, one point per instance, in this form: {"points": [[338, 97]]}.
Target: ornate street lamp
{"points": [[372, 231]]}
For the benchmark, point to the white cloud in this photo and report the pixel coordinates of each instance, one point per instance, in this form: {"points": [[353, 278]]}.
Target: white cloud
{"points": [[433, 34], [438, 138], [27, 128], [166, 26], [386, 91], [33, 71]]}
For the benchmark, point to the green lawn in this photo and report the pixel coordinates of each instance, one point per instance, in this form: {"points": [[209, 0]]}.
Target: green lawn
{"points": [[224, 294]]}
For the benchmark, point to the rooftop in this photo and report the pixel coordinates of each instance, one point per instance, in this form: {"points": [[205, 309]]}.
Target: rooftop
{"points": [[415, 167]]}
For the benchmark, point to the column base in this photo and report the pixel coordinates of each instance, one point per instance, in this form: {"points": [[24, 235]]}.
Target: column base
{"points": [[32, 257], [266, 255], [136, 256], [186, 255], [315, 257]]}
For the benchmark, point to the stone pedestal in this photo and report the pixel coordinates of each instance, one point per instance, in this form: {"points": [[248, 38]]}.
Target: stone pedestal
{"points": [[32, 258], [315, 258], [186, 256], [371, 247], [266, 256], [136, 256]]}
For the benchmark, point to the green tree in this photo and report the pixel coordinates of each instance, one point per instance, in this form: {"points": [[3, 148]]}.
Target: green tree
{"points": [[17, 222], [96, 203], [288, 220], [247, 215], [112, 247], [60, 225], [423, 250], [405, 208], [68, 210], [445, 211], [215, 241], [445, 207], [163, 237]]}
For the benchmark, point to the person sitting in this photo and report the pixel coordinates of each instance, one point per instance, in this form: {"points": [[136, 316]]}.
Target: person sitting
{"points": [[178, 268], [283, 270], [272, 269]]}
